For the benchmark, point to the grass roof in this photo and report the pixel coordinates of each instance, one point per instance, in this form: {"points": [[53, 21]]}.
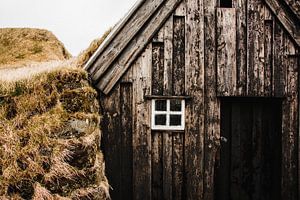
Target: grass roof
{"points": [[20, 46]]}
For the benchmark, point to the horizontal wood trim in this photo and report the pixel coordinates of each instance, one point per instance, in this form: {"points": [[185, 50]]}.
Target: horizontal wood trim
{"points": [[149, 97]]}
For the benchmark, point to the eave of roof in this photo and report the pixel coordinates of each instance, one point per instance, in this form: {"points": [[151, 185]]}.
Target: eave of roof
{"points": [[113, 33]]}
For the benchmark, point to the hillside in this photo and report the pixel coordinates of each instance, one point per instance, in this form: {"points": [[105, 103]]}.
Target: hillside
{"points": [[22, 46]]}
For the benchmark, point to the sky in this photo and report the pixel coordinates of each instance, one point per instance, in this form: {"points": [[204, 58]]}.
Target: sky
{"points": [[75, 22]]}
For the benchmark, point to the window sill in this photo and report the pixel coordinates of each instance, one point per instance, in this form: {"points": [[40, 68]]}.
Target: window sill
{"points": [[150, 97]]}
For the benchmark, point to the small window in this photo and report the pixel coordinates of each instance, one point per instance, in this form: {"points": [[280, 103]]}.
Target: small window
{"points": [[226, 3], [168, 114]]}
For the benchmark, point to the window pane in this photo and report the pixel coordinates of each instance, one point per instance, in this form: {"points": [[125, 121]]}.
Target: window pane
{"points": [[161, 105], [176, 105], [175, 120], [160, 120]]}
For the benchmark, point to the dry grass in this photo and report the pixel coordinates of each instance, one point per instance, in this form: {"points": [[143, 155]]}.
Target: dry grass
{"points": [[20, 46], [49, 138]]}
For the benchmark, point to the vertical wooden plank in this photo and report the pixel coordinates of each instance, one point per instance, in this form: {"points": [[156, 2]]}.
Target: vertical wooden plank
{"points": [[178, 165], [255, 48], [257, 151], [167, 165], [157, 68], [226, 51], [236, 148], [222, 175], [157, 166], [179, 56], [111, 127], [279, 68], [241, 39], [142, 129], [290, 125], [245, 129], [212, 109], [168, 55], [268, 55], [126, 138], [194, 133]]}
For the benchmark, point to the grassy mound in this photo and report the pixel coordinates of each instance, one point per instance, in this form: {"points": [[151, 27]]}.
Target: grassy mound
{"points": [[49, 138], [20, 46]]}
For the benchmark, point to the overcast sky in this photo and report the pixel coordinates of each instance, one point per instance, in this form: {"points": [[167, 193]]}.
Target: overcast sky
{"points": [[75, 22]]}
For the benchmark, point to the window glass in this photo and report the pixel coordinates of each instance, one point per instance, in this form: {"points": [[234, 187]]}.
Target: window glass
{"points": [[175, 120], [168, 114], [160, 120], [175, 105], [161, 105]]}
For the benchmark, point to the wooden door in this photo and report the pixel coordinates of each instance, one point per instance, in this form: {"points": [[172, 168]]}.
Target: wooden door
{"points": [[249, 163]]}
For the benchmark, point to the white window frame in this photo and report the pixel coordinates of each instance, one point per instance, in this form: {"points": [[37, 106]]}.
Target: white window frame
{"points": [[168, 113]]}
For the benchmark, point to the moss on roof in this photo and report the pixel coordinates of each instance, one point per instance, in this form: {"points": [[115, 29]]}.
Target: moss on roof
{"points": [[20, 46]]}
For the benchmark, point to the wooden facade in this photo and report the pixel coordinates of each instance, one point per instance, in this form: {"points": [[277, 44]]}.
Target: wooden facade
{"points": [[215, 58]]}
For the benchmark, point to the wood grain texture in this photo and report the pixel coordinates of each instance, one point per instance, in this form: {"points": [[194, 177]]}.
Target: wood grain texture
{"points": [[126, 141], [157, 166], [141, 128], [226, 52], [135, 47], [168, 56], [178, 77], [194, 133], [290, 23], [241, 46], [255, 48], [121, 40], [111, 124], [290, 125], [178, 166], [157, 68], [212, 105]]}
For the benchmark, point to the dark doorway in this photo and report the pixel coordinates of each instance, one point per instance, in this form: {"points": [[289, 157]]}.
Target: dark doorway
{"points": [[248, 166]]}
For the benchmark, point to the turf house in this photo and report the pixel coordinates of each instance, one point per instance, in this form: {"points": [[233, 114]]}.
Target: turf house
{"points": [[200, 100]]}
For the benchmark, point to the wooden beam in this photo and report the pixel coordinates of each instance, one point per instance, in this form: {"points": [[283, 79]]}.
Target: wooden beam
{"points": [[135, 47], [290, 24], [122, 39]]}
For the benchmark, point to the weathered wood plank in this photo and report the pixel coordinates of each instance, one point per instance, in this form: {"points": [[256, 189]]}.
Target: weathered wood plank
{"points": [[241, 53], [279, 76], [255, 48], [290, 125], [290, 23], [167, 165], [121, 40], [111, 124], [178, 166], [226, 51], [235, 141], [168, 54], [157, 166], [269, 59], [212, 105], [141, 128], [135, 47], [157, 68], [126, 141], [194, 133], [179, 56]]}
